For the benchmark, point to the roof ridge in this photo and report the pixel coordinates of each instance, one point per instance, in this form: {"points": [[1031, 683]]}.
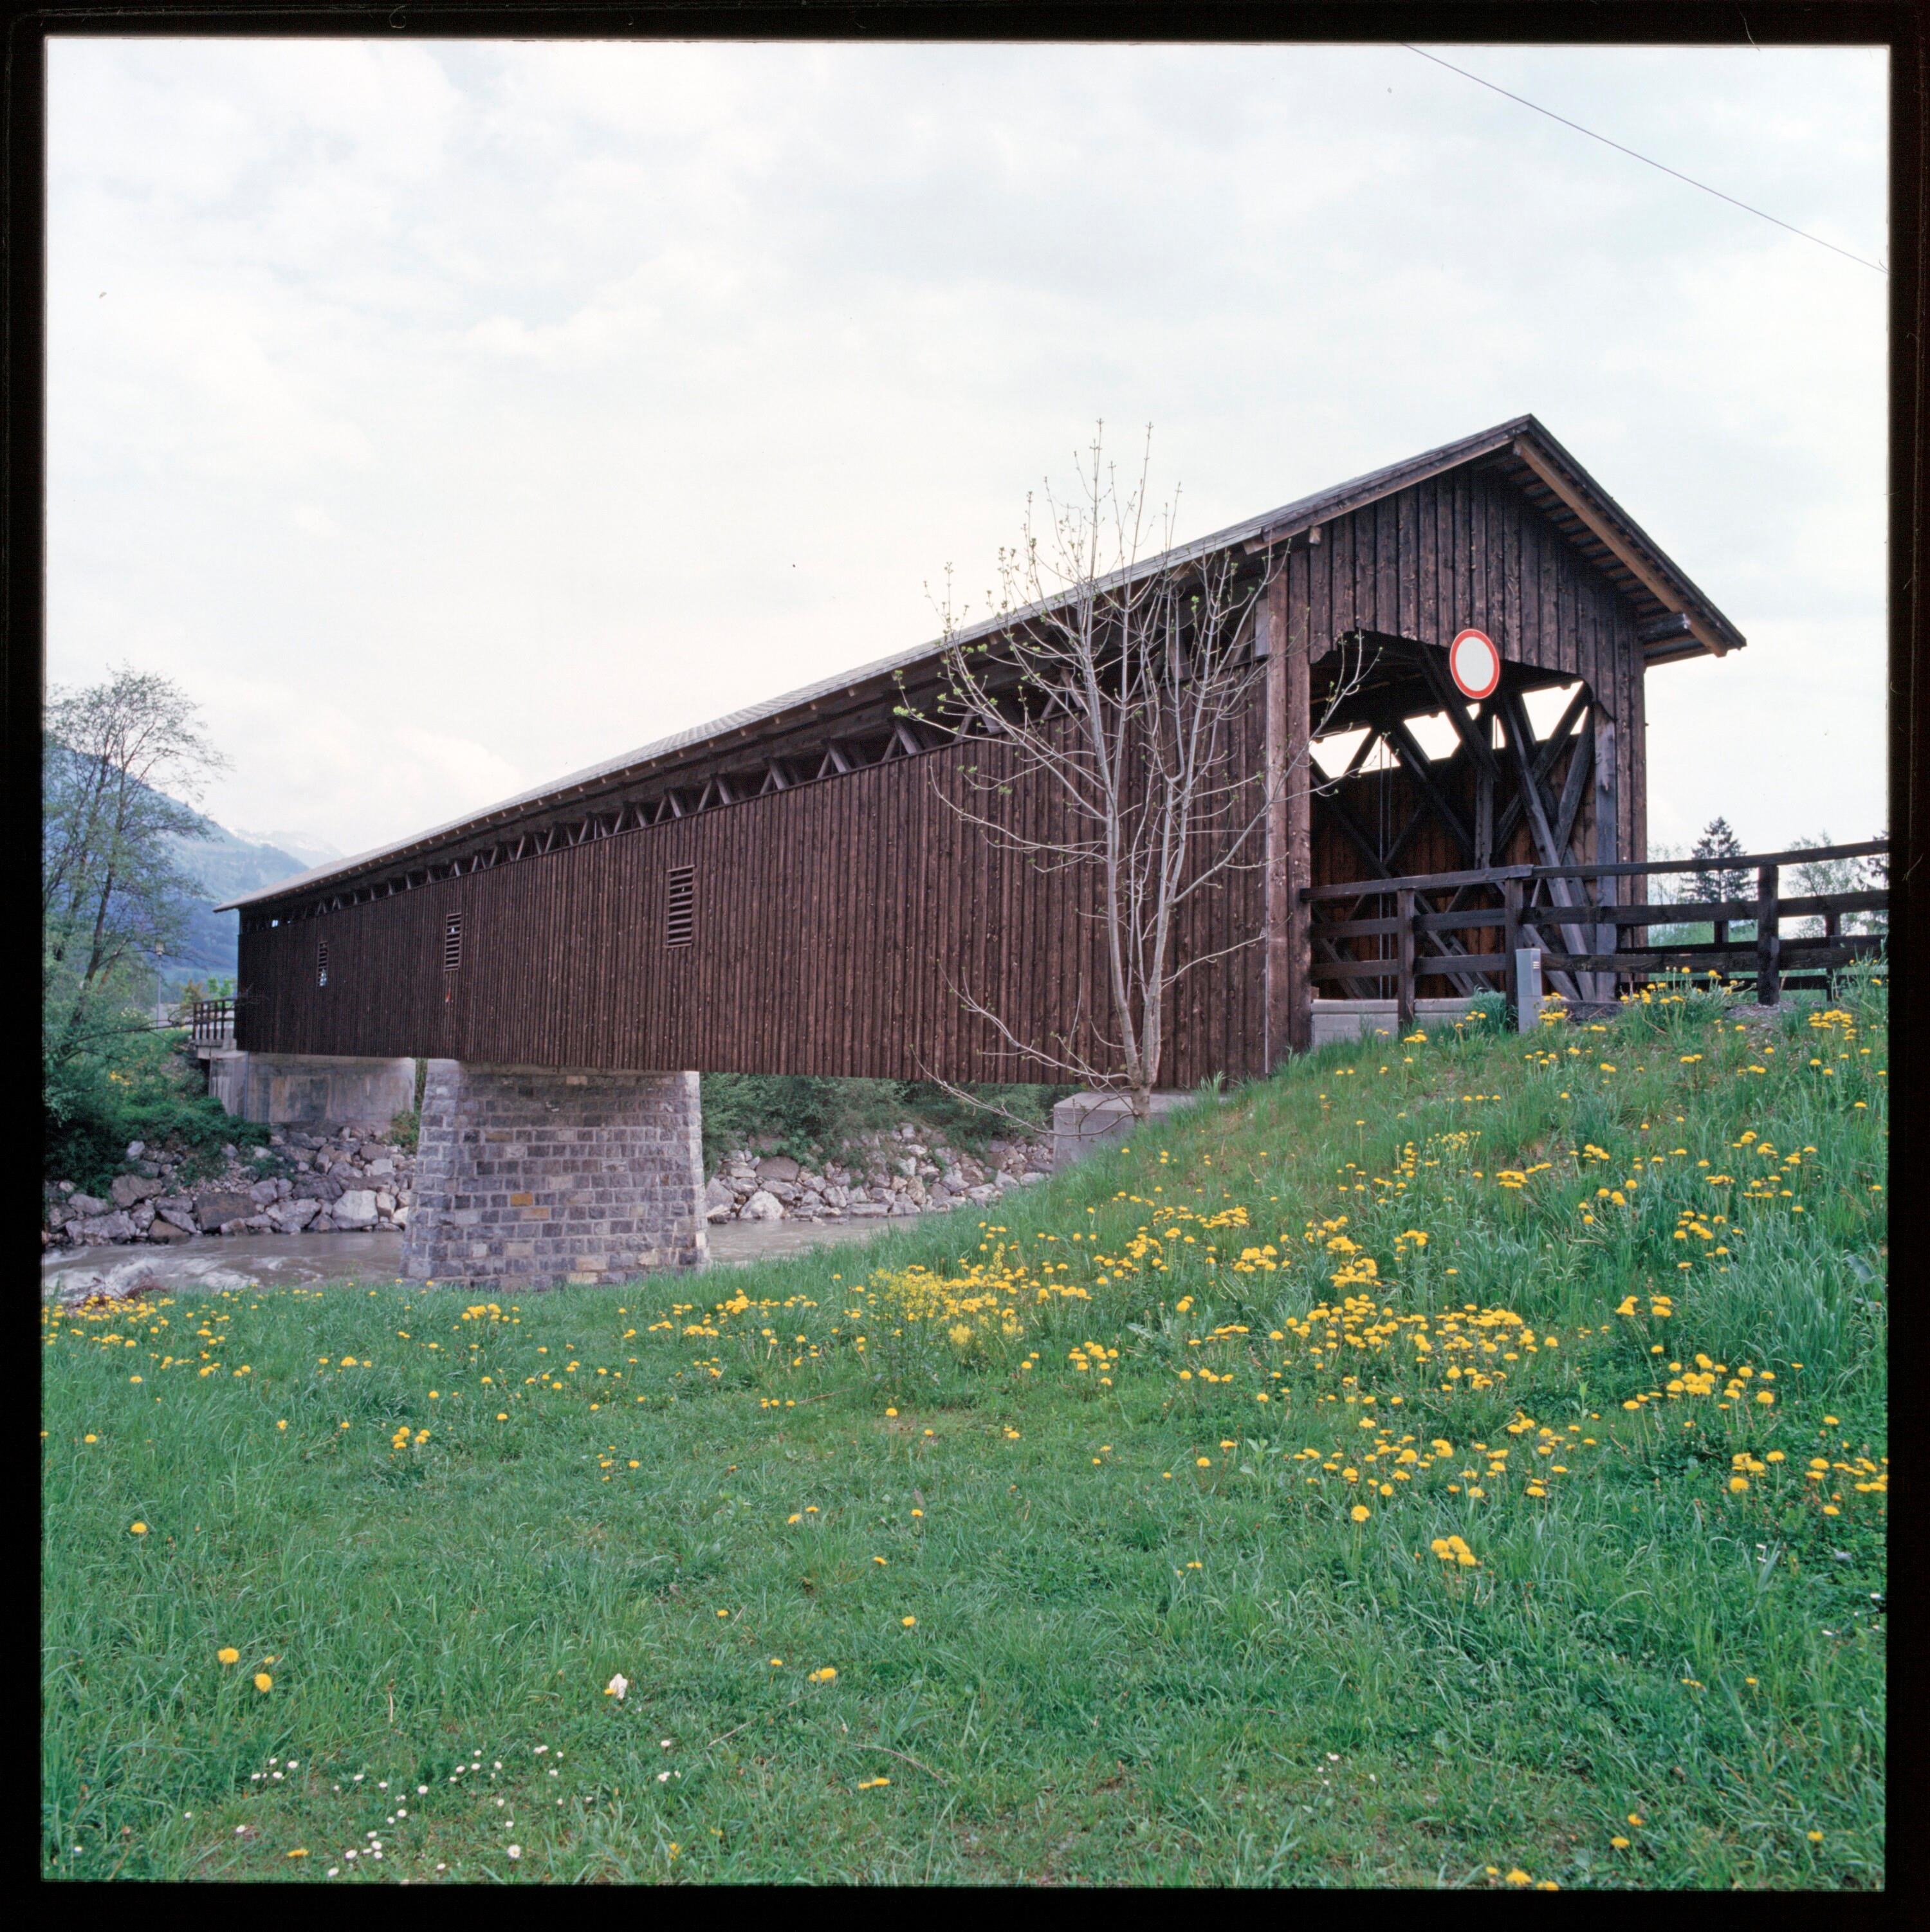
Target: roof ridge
{"points": [[1286, 520]]}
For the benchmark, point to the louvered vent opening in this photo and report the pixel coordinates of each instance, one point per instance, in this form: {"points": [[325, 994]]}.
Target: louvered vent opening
{"points": [[680, 914], [322, 962], [452, 942]]}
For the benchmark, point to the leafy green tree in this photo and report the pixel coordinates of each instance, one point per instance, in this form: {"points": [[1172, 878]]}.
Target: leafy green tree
{"points": [[117, 760], [1819, 876]]}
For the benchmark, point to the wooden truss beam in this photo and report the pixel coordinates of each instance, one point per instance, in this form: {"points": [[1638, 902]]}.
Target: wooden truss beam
{"points": [[1562, 891], [1465, 983], [1414, 761], [1471, 733], [1546, 753], [1624, 552]]}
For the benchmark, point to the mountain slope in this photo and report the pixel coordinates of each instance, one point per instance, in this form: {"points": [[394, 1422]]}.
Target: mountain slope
{"points": [[224, 864]]}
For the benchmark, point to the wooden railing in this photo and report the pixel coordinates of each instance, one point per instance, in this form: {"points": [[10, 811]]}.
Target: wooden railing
{"points": [[212, 1022], [1543, 921]]}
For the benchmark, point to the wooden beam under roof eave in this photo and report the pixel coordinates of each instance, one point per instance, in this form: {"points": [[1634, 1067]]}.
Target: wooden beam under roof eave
{"points": [[1624, 552]]}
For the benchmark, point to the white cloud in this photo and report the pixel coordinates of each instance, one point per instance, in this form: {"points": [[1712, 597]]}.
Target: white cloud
{"points": [[458, 414]]}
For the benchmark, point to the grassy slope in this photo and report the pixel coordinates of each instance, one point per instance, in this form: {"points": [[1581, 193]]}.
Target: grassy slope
{"points": [[1151, 1643]]}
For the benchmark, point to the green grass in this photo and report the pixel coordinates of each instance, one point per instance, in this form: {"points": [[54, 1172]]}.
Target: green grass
{"points": [[1151, 1643]]}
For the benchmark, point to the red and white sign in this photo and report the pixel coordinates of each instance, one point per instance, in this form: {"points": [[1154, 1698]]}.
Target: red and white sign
{"points": [[1474, 664]]}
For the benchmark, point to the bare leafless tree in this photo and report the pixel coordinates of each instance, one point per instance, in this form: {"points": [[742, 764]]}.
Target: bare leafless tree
{"points": [[1127, 683], [1870, 873]]}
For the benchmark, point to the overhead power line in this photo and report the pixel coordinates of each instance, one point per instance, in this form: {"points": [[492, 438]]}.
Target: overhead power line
{"points": [[1644, 158]]}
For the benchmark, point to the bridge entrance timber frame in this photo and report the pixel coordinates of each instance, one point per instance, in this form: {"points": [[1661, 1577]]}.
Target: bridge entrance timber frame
{"points": [[1502, 800], [784, 890]]}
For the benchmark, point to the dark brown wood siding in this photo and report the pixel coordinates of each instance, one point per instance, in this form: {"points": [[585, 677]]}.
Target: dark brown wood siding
{"points": [[836, 924], [1467, 549], [1463, 549]]}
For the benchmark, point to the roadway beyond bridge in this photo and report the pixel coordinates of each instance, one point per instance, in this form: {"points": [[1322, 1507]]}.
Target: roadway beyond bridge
{"points": [[788, 890]]}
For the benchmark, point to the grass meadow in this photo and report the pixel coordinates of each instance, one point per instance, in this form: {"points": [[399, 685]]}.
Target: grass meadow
{"points": [[1455, 1462]]}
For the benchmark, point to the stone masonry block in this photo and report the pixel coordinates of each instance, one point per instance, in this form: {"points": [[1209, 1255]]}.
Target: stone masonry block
{"points": [[579, 1176]]}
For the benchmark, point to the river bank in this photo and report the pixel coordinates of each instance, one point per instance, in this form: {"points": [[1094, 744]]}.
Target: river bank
{"points": [[351, 1182], [257, 1260]]}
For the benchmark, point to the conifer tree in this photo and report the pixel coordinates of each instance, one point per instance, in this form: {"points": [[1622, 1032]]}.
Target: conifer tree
{"points": [[1715, 881]]}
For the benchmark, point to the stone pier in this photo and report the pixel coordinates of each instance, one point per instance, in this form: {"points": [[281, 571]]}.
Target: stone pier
{"points": [[532, 1177]]}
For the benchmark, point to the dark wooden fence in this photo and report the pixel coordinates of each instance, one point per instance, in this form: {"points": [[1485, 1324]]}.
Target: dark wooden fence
{"points": [[212, 1022], [1591, 939]]}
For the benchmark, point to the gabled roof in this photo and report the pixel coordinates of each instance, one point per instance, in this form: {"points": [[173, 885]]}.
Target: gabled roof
{"points": [[1675, 619]]}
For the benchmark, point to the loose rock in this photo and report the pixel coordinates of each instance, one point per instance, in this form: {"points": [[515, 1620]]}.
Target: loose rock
{"points": [[355, 1209]]}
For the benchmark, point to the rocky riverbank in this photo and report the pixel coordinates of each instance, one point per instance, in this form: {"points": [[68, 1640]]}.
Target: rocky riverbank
{"points": [[348, 1180], [900, 1172], [355, 1182]]}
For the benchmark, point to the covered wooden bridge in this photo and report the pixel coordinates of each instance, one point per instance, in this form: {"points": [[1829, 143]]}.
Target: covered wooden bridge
{"points": [[787, 890]]}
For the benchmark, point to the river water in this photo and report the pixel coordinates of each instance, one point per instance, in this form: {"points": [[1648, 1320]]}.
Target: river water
{"points": [[232, 1261]]}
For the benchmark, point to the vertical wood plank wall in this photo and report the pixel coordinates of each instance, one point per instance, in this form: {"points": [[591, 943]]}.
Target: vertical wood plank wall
{"points": [[1469, 549], [833, 922]]}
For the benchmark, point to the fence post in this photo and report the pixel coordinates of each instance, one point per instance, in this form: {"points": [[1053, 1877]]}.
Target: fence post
{"points": [[1404, 910], [1606, 894], [1510, 923], [1769, 941], [1527, 988]]}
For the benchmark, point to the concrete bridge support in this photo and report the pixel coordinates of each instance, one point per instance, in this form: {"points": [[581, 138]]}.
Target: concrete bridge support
{"points": [[1084, 1123], [532, 1177], [310, 1089], [1371, 1019]]}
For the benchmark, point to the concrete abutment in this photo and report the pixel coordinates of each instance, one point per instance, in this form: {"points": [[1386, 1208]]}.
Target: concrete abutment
{"points": [[534, 1177], [310, 1089]]}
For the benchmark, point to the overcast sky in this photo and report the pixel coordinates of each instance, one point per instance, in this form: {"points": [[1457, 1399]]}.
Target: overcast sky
{"points": [[445, 417]]}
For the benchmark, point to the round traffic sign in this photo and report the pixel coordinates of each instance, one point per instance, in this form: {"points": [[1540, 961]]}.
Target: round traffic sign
{"points": [[1474, 664]]}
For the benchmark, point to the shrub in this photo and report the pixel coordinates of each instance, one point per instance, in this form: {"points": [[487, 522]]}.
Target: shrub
{"points": [[405, 1129], [1487, 1014], [815, 1118], [135, 1088]]}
